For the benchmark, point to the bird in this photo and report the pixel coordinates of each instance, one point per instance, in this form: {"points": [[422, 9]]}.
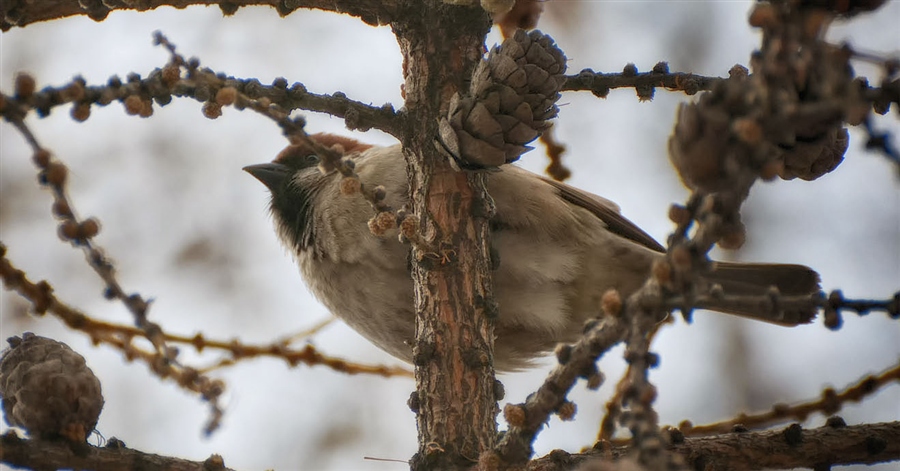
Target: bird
{"points": [[560, 249]]}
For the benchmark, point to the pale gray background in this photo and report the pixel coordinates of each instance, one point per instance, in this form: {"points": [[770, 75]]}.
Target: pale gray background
{"points": [[187, 227]]}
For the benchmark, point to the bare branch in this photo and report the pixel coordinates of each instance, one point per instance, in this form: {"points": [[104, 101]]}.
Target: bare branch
{"points": [[576, 361], [614, 404], [23, 12], [79, 233], [834, 305], [119, 336], [44, 454], [307, 355], [136, 96], [831, 402], [644, 83], [644, 311], [214, 89], [789, 448], [163, 365]]}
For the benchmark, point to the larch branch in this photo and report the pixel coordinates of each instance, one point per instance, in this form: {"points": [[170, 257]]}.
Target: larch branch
{"points": [[22, 13]]}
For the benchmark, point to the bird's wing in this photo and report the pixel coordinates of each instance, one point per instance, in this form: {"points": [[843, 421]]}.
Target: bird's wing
{"points": [[608, 212]]}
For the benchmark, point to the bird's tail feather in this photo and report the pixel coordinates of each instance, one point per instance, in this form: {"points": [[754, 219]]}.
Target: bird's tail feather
{"points": [[745, 285]]}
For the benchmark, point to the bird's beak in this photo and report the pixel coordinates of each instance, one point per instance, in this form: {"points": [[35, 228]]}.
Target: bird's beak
{"points": [[271, 174]]}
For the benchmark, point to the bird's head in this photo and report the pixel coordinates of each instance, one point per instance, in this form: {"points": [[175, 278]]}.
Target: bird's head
{"points": [[293, 179]]}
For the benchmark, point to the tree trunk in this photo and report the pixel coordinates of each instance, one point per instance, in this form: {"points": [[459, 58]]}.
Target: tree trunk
{"points": [[455, 397]]}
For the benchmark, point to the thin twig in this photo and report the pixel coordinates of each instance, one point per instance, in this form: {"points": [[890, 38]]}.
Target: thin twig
{"points": [[830, 403], [43, 300], [79, 233], [600, 84], [614, 404]]}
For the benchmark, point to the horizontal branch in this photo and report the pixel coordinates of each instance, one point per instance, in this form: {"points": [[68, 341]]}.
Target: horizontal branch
{"points": [[24, 12], [788, 448], [834, 305], [44, 454], [357, 116], [644, 83], [202, 85]]}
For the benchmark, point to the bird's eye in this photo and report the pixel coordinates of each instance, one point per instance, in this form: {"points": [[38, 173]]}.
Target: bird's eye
{"points": [[312, 159]]}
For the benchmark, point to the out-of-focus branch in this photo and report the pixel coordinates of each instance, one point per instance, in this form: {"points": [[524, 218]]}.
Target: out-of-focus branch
{"points": [[878, 99], [24, 12], [44, 454], [165, 366], [137, 95], [119, 336], [555, 150], [831, 402], [307, 355], [792, 447], [614, 404], [834, 305], [54, 175]]}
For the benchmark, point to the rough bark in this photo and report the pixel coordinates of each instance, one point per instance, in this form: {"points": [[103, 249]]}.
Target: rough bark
{"points": [[455, 399]]}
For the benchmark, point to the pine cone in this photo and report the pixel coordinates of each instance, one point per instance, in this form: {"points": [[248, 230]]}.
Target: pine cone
{"points": [[811, 160], [715, 145], [47, 389], [510, 101]]}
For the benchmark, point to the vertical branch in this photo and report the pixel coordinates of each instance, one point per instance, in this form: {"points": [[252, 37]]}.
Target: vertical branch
{"points": [[455, 400]]}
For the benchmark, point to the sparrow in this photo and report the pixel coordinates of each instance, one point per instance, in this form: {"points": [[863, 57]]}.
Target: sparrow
{"points": [[560, 249]]}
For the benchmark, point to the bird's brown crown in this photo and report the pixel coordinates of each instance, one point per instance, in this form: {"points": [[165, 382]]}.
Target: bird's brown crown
{"points": [[295, 155]]}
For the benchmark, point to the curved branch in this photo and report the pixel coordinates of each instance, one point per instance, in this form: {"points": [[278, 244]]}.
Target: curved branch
{"points": [[118, 336], [80, 234], [43, 300], [24, 12]]}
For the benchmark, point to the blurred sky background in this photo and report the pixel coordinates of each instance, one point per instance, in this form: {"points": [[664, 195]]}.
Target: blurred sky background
{"points": [[188, 228]]}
